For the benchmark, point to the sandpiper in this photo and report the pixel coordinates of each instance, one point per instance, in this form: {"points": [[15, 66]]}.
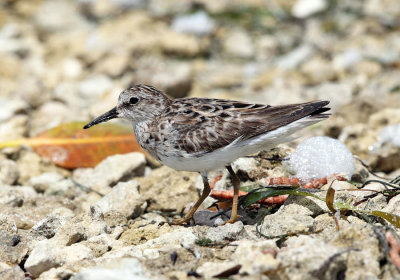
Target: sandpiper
{"points": [[203, 134]]}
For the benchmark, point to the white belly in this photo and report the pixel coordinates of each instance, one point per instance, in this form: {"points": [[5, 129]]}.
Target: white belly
{"points": [[224, 156]]}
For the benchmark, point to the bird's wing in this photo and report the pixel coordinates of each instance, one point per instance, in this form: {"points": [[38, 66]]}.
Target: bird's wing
{"points": [[204, 125]]}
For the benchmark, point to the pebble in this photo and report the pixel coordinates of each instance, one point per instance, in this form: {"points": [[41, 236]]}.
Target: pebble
{"points": [[114, 269], [198, 23], [9, 172], [124, 199], [110, 171], [306, 8]]}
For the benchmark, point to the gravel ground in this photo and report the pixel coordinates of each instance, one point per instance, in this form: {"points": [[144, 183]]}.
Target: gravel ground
{"points": [[64, 61]]}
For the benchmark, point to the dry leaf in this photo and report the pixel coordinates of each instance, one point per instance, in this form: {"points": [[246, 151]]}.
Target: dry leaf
{"points": [[70, 146]]}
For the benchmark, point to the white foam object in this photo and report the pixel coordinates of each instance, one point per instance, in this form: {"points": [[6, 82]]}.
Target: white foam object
{"points": [[319, 157]]}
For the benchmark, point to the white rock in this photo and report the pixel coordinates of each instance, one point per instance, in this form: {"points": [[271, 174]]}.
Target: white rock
{"points": [[14, 128], [306, 8], [11, 271], [338, 93], [251, 255], [110, 171], [47, 254], [306, 254], [245, 164], [390, 134], [238, 43], [295, 57], [319, 157], [290, 218], [115, 269], [124, 198], [9, 41], [70, 233], [198, 23], [226, 232], [14, 193], [65, 188], [346, 59], [9, 107], [42, 182], [209, 269], [174, 77], [95, 87], [8, 172], [176, 237], [72, 68], [59, 15]]}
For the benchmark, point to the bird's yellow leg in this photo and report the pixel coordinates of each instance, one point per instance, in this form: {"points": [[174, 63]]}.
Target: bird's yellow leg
{"points": [[204, 195]]}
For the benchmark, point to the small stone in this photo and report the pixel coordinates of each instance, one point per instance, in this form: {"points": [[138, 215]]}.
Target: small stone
{"points": [[100, 244], [306, 8], [346, 59], [290, 218], [11, 272], [72, 68], [209, 269], [318, 70], [363, 263], [47, 254], [95, 87], [7, 224], [113, 269], [12, 252], [225, 232], [338, 93], [317, 206], [10, 107], [393, 206], [238, 43], [259, 262], [48, 226], [294, 58], [66, 188], [15, 195], [306, 255], [70, 233], [28, 166], [51, 114], [111, 171], [14, 128], [140, 232], [198, 23], [58, 16], [124, 199], [9, 172], [44, 181], [173, 77], [167, 189], [181, 44]]}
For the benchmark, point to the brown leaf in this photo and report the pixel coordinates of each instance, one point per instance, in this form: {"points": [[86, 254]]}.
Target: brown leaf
{"points": [[70, 146]]}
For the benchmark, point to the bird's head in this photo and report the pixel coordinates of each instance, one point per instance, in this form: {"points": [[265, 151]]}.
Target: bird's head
{"points": [[137, 103]]}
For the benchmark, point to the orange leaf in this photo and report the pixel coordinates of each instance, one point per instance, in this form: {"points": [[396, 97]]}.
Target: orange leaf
{"points": [[70, 146]]}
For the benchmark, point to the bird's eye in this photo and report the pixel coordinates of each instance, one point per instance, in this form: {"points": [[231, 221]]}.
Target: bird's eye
{"points": [[133, 100]]}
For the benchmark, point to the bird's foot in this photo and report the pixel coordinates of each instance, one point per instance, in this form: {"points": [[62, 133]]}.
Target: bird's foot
{"points": [[181, 221], [232, 220]]}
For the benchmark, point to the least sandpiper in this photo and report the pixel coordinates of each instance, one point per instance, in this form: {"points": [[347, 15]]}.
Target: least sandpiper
{"points": [[203, 134]]}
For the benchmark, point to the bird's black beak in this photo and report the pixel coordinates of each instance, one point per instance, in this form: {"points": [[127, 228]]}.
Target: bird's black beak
{"points": [[112, 114]]}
